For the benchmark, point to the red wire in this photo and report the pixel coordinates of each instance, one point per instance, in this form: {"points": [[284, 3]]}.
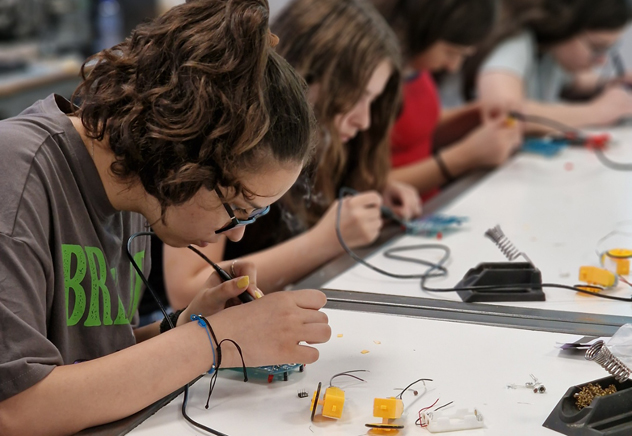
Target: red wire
{"points": [[426, 408]]}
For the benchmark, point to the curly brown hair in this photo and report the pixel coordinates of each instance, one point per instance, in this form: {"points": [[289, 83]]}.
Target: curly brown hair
{"points": [[337, 44], [194, 96]]}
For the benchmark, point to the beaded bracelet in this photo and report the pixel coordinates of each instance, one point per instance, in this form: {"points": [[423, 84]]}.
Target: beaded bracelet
{"points": [[204, 324]]}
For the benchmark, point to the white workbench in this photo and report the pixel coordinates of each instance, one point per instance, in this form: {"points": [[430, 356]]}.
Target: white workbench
{"points": [[553, 209], [470, 365]]}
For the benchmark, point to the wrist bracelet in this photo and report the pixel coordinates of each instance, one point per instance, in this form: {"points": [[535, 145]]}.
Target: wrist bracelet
{"points": [[203, 322], [443, 168], [173, 317]]}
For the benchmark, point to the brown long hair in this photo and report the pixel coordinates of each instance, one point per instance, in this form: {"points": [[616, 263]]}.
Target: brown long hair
{"points": [[195, 96], [337, 44], [551, 21]]}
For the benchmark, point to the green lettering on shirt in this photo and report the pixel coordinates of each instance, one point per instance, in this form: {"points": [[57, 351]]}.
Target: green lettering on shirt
{"points": [[91, 260], [98, 278], [121, 313], [74, 281]]}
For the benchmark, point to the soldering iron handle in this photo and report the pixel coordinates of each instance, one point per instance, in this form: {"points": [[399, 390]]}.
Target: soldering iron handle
{"points": [[244, 297]]}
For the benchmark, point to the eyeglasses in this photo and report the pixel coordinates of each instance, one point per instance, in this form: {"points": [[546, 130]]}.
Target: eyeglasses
{"points": [[234, 221]]}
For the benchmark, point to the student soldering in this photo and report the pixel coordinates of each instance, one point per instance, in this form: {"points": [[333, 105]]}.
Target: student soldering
{"points": [[544, 49], [350, 59], [193, 125], [430, 146]]}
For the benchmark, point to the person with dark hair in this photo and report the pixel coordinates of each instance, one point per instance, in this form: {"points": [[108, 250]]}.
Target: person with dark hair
{"points": [[431, 147], [193, 125], [541, 48], [350, 60]]}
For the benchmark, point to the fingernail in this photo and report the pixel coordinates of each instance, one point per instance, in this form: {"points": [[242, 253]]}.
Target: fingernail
{"points": [[243, 282], [258, 294]]}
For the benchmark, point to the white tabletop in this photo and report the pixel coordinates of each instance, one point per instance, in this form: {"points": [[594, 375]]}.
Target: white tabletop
{"points": [[470, 365], [553, 209]]}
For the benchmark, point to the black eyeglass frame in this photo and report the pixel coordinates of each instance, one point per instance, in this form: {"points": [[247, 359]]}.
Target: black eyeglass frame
{"points": [[236, 222]]}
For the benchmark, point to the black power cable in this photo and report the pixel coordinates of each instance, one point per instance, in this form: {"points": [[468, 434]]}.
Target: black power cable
{"points": [[164, 312], [438, 269]]}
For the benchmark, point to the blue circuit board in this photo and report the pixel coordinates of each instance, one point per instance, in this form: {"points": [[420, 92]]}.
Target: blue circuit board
{"points": [[434, 225], [273, 372]]}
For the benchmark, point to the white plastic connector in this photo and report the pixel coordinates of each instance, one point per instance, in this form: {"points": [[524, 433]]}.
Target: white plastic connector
{"points": [[442, 421]]}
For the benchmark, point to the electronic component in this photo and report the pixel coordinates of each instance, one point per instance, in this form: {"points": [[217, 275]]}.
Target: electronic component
{"points": [[434, 225], [546, 146], [392, 408], [597, 276], [389, 409], [273, 372], [577, 138], [303, 393], [333, 402], [443, 421], [611, 249], [553, 144], [617, 260], [536, 386]]}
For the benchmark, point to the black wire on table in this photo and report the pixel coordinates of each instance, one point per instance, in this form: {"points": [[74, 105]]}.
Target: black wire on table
{"points": [[348, 374], [439, 266], [412, 384], [445, 405], [442, 271], [164, 312]]}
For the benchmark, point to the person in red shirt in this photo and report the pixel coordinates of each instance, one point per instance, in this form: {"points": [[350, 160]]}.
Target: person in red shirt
{"points": [[430, 147]]}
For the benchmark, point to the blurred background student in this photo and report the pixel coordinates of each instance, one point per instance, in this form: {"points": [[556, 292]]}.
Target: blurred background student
{"points": [[429, 146], [542, 48], [350, 59]]}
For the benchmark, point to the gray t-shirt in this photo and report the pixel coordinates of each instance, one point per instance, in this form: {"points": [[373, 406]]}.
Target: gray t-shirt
{"points": [[543, 76], [67, 293]]}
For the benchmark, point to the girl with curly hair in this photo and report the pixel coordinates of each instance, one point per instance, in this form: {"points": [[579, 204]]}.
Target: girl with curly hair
{"points": [[350, 59], [193, 125]]}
